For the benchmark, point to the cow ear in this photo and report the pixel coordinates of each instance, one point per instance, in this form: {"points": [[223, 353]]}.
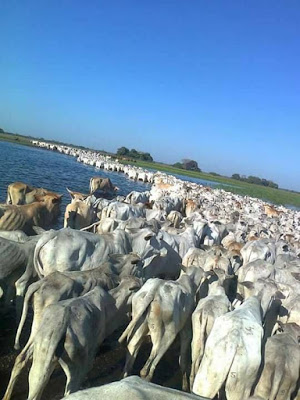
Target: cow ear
{"points": [[278, 327], [209, 273], [136, 259], [56, 199], [71, 193], [279, 295], [247, 284], [296, 275], [149, 236]]}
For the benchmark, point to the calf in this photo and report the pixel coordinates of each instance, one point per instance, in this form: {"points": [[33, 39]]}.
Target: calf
{"points": [[70, 333], [61, 286], [19, 193], [40, 213]]}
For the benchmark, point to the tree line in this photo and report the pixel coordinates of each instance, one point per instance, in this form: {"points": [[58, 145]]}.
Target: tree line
{"points": [[256, 180], [189, 165], [133, 153]]}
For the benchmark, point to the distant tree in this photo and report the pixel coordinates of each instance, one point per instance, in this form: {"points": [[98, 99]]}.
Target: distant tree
{"points": [[214, 174], [256, 180], [2, 130], [133, 153], [190, 165], [273, 185], [178, 165], [122, 151], [146, 157]]}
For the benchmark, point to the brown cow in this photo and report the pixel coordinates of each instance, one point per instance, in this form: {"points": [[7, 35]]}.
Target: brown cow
{"points": [[42, 212], [271, 211], [19, 193], [190, 207], [77, 196], [105, 184]]}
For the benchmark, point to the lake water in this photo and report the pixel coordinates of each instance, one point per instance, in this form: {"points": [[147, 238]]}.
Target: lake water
{"points": [[54, 171]]}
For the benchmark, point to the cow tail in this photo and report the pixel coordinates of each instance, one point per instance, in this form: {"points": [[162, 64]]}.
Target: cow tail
{"points": [[31, 290], [142, 309], [45, 345]]}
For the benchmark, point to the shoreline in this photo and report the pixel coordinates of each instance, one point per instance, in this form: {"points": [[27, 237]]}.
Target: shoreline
{"points": [[275, 196]]}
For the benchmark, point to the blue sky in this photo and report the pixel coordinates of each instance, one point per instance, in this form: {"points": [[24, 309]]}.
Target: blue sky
{"points": [[215, 81]]}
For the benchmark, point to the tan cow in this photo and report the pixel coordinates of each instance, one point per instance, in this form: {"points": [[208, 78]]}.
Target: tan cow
{"points": [[19, 193], [271, 211], [42, 212], [104, 184], [75, 196], [80, 212], [190, 207]]}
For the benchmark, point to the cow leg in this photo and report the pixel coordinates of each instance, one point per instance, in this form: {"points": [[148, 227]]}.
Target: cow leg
{"points": [[197, 348], [19, 365], [134, 346], [38, 382], [162, 340], [184, 359], [21, 285], [75, 375]]}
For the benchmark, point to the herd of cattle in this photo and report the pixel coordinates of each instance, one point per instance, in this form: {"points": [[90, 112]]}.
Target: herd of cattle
{"points": [[218, 271]]}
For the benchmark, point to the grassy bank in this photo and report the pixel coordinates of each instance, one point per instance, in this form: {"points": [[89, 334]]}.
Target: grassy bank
{"points": [[13, 138], [276, 196]]}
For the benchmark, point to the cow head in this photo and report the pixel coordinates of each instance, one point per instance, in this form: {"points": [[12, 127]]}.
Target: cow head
{"points": [[77, 196]]}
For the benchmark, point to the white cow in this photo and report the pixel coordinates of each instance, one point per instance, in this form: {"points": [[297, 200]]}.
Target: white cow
{"points": [[133, 388], [203, 318], [232, 354], [281, 364], [162, 309]]}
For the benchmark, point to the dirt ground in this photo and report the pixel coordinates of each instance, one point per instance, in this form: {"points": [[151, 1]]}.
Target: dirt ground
{"points": [[107, 367]]}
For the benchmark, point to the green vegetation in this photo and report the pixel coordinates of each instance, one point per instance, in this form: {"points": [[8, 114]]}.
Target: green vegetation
{"points": [[15, 138], [133, 153], [256, 180], [187, 164], [275, 196]]}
